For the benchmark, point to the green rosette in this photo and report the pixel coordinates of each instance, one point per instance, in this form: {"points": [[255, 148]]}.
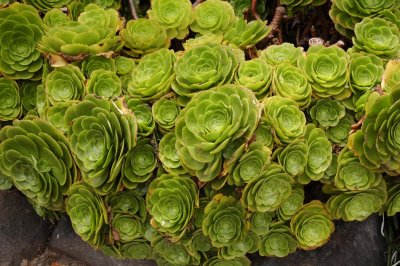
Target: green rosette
{"points": [[143, 36], [351, 175], [95, 62], [356, 205], [267, 192], [204, 67], [21, 29], [173, 15], [213, 16], [153, 75], [104, 83], [167, 154], [165, 111], [256, 75], [100, 134], [311, 225], [210, 120], [278, 241], [88, 214], [327, 71], [10, 106], [285, 118], [140, 162], [283, 53], [224, 221], [38, 160], [290, 82], [64, 84], [170, 201]]}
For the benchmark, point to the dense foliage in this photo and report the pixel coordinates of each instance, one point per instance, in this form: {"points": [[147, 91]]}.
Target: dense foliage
{"points": [[192, 135]]}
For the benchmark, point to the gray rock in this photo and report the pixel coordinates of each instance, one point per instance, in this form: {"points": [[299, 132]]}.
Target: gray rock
{"points": [[352, 244], [66, 241], [23, 234]]}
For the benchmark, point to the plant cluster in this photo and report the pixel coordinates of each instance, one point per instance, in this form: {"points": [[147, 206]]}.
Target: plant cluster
{"points": [[198, 155]]}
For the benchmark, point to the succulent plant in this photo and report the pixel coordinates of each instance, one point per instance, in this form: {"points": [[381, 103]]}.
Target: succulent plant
{"points": [[327, 113], [124, 65], [311, 225], [357, 205], [327, 71], [171, 201], [28, 95], [128, 216], [140, 162], [365, 72], [261, 221], [174, 16], [391, 76], [21, 28], [37, 158], [10, 108], [319, 154], [293, 157], [165, 112], [266, 192], [292, 204], [331, 171], [88, 213], [64, 84], [377, 143], [55, 114], [278, 241], [213, 16], [392, 205], [92, 33], [168, 155], [42, 101], [144, 36], [95, 62], [204, 67], [347, 13], [138, 250], [256, 75], [351, 175], [153, 75], [339, 134], [290, 82], [210, 120], [249, 243], [377, 36], [144, 117], [283, 53], [264, 133], [224, 221], [174, 253], [56, 17], [104, 83], [100, 134], [250, 165], [200, 242], [286, 119], [246, 34]]}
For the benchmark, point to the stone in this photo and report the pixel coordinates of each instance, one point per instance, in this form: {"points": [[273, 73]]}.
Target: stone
{"points": [[352, 244], [66, 241], [23, 234]]}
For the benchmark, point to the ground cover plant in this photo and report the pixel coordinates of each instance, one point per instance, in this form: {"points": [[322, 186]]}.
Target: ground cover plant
{"points": [[191, 133]]}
